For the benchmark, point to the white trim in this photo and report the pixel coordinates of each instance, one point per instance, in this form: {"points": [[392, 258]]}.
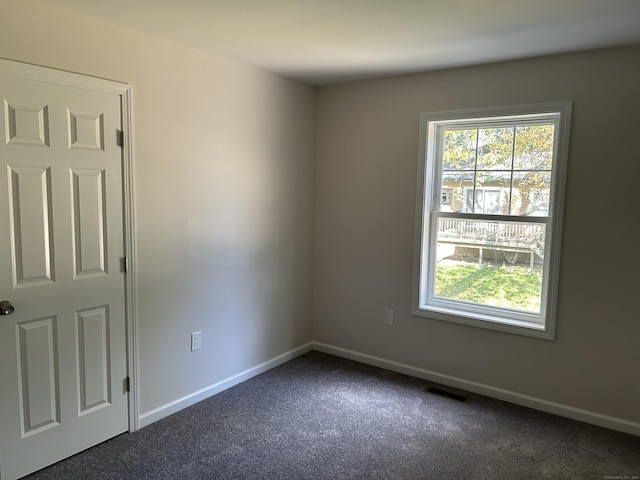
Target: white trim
{"points": [[131, 253], [424, 302], [58, 77], [586, 416], [170, 408]]}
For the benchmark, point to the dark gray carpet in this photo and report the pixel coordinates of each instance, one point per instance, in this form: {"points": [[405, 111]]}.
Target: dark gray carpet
{"points": [[323, 417]]}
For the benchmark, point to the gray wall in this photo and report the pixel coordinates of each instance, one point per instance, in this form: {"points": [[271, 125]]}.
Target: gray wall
{"points": [[224, 190], [367, 154]]}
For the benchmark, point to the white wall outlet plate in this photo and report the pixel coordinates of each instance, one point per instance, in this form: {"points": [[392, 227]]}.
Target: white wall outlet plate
{"points": [[196, 341]]}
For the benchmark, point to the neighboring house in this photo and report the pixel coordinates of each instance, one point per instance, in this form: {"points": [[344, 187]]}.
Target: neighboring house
{"points": [[493, 197]]}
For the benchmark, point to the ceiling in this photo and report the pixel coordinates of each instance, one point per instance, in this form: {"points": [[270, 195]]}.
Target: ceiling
{"points": [[328, 41]]}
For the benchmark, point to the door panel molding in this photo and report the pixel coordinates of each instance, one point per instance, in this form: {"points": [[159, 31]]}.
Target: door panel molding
{"points": [[38, 382], [27, 124], [89, 224], [92, 332], [31, 228]]}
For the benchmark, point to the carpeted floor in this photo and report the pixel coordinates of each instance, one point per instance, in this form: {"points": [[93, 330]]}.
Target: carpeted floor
{"points": [[323, 417]]}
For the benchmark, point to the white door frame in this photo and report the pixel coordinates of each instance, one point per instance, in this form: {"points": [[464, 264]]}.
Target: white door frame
{"points": [[58, 77]]}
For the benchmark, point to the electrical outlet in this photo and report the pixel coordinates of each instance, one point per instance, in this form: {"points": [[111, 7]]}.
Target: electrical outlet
{"points": [[388, 316], [196, 341]]}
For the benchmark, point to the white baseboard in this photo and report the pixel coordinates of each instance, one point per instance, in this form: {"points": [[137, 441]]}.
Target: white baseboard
{"points": [[156, 414], [581, 415]]}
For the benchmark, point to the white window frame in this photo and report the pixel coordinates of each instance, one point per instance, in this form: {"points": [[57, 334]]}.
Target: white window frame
{"points": [[425, 303]]}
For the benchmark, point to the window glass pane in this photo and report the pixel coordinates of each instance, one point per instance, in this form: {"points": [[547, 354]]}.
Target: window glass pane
{"points": [[497, 264], [492, 193], [533, 147], [495, 148], [531, 192], [454, 185], [459, 149]]}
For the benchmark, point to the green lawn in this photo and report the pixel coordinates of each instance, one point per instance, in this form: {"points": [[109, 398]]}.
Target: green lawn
{"points": [[509, 287]]}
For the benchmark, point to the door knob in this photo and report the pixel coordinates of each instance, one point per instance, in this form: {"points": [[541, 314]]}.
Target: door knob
{"points": [[6, 308]]}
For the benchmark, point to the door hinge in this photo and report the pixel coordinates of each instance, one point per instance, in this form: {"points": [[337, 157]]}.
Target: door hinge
{"points": [[120, 138], [127, 383], [125, 264]]}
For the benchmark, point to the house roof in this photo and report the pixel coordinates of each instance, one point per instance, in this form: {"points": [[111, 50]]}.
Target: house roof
{"points": [[328, 41]]}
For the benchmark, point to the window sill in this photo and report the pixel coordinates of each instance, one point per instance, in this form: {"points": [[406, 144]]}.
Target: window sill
{"points": [[500, 324]]}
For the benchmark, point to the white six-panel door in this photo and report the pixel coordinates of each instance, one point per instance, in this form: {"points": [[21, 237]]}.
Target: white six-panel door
{"points": [[63, 353]]}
